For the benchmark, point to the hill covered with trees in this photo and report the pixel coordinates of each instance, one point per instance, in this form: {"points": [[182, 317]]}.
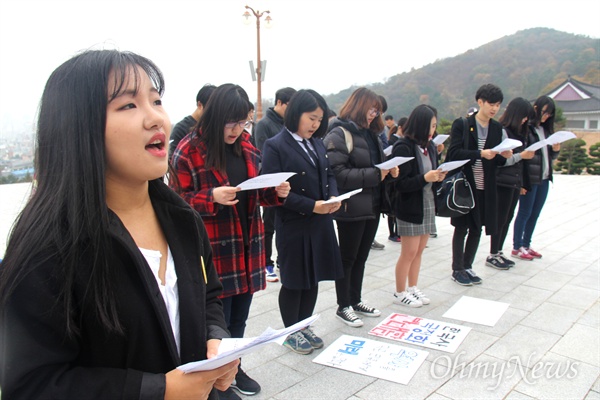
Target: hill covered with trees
{"points": [[527, 64]]}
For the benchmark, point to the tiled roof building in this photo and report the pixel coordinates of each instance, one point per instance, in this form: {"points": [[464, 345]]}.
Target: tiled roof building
{"points": [[580, 103]]}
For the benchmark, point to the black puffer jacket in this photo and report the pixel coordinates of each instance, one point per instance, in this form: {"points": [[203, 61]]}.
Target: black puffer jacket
{"points": [[512, 176], [533, 167], [356, 170]]}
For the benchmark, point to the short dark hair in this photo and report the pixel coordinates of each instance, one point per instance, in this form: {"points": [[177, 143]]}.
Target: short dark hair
{"points": [[490, 93], [284, 95], [384, 105], [204, 93], [305, 101], [389, 117]]}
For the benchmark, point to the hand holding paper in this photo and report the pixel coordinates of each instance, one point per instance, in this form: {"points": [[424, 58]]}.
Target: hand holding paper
{"points": [[343, 197], [507, 144], [394, 162], [555, 138], [264, 181]]}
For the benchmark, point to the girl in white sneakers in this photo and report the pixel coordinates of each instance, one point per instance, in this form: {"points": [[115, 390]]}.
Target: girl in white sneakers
{"points": [[415, 205]]}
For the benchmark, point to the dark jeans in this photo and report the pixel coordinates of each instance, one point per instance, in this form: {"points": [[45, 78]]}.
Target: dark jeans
{"points": [[355, 240], [463, 253], [296, 305], [269, 223], [530, 207], [507, 202], [236, 309]]}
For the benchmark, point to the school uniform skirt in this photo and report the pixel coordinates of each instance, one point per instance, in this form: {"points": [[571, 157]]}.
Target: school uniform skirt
{"points": [[428, 225]]}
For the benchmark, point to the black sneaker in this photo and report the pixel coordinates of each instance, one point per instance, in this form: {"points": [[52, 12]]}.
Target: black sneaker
{"points": [[473, 276], [507, 261], [244, 384], [228, 394], [377, 246], [347, 315], [365, 310], [496, 261], [462, 278]]}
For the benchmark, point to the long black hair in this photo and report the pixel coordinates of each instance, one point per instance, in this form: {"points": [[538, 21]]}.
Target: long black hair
{"points": [[67, 218], [539, 104], [228, 103], [512, 118]]}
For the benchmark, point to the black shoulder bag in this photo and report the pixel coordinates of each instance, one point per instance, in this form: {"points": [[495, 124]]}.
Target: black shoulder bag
{"points": [[454, 196]]}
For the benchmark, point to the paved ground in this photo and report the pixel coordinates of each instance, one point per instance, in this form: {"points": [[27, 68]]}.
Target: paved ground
{"points": [[552, 323]]}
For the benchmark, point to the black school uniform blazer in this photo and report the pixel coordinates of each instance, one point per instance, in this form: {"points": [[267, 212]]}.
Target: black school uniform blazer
{"points": [[38, 359]]}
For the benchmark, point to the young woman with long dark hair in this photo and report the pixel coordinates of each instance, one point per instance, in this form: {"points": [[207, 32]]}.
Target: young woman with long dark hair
{"points": [[209, 164], [539, 168], [101, 288]]}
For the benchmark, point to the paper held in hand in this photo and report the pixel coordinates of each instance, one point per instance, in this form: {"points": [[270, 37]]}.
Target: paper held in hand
{"points": [[389, 164], [556, 137], [507, 144], [439, 139], [243, 346], [388, 151], [343, 197], [450, 165], [265, 181]]}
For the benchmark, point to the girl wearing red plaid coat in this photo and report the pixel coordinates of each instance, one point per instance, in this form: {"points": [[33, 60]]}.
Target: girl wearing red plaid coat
{"points": [[209, 164]]}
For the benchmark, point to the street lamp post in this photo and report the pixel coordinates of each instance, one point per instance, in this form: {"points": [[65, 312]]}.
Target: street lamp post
{"points": [[258, 15]]}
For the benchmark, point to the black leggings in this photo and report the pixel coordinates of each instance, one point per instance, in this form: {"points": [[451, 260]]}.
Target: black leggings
{"points": [[463, 253], [507, 202], [297, 304]]}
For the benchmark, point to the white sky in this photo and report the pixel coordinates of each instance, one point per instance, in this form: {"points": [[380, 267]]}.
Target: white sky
{"points": [[326, 45]]}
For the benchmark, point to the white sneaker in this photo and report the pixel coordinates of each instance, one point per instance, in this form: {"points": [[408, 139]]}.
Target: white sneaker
{"points": [[407, 299], [419, 295]]}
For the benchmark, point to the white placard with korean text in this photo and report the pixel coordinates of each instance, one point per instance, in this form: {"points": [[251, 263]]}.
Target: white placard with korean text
{"points": [[373, 358], [424, 332]]}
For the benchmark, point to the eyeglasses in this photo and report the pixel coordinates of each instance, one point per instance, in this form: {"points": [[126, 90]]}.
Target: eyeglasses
{"points": [[374, 112], [242, 124]]}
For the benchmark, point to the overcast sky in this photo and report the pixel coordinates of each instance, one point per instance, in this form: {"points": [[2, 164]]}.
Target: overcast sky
{"points": [[326, 45]]}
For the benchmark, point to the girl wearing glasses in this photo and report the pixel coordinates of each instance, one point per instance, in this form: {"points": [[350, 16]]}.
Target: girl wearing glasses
{"points": [[353, 147], [209, 164], [539, 170], [102, 294], [307, 247]]}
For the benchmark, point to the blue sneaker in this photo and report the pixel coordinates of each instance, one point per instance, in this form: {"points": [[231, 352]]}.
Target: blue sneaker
{"points": [[271, 274], [297, 342]]}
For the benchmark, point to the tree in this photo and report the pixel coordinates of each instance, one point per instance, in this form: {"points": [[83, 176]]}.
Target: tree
{"points": [[573, 159], [594, 165]]}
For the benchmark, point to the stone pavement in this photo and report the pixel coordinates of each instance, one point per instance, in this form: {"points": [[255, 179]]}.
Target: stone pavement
{"points": [[546, 345], [553, 317]]}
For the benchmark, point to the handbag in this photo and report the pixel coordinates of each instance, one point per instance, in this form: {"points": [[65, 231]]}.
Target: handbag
{"points": [[454, 197]]}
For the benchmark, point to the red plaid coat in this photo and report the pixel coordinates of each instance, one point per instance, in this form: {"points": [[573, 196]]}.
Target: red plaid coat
{"points": [[222, 222]]}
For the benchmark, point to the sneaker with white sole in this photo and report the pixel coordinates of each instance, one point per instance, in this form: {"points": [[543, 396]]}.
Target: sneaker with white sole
{"points": [[363, 309], [244, 384], [315, 341], [417, 294], [348, 316], [533, 253], [271, 274], [297, 343], [407, 299], [475, 280], [495, 261], [507, 261], [521, 253]]}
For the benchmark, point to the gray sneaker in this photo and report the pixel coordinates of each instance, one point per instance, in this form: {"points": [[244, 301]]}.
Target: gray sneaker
{"points": [[315, 341], [298, 343]]}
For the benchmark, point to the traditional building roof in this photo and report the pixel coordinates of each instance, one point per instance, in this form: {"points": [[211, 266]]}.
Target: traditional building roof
{"points": [[574, 96]]}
